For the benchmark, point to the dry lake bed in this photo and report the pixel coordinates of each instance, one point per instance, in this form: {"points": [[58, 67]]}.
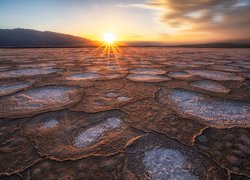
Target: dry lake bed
{"points": [[143, 113]]}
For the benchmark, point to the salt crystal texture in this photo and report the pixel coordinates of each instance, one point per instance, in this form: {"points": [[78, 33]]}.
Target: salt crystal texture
{"points": [[165, 164]]}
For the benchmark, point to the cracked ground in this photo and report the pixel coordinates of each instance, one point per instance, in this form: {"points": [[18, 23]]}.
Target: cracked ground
{"points": [[145, 113]]}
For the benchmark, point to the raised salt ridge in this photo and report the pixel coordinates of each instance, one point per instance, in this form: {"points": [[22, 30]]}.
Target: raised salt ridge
{"points": [[26, 72], [91, 135], [211, 111], [147, 78], [13, 87], [163, 163], [216, 75], [210, 86], [39, 100]]}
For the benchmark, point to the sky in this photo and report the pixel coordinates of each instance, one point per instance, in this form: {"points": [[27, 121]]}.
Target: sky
{"points": [[168, 21]]}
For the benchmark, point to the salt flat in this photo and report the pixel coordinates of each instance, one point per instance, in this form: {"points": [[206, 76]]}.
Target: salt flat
{"points": [[145, 113]]}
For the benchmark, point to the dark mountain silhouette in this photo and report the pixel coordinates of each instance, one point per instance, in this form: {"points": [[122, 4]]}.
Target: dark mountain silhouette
{"points": [[33, 38], [18, 38], [235, 44]]}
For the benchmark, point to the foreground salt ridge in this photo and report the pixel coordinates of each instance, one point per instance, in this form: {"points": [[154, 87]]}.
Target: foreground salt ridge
{"points": [[219, 113], [91, 135]]}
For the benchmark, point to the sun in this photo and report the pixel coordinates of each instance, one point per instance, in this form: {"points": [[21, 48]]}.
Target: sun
{"points": [[109, 38]]}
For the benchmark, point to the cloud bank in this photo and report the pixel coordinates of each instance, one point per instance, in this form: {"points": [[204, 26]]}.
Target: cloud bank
{"points": [[223, 19]]}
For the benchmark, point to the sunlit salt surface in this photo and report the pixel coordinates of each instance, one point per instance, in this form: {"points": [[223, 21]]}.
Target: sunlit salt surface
{"points": [[180, 75], [211, 111], [123, 98], [226, 68], [216, 75], [111, 95], [147, 78], [85, 76], [210, 86], [147, 71], [37, 100], [163, 163], [26, 72], [50, 123], [91, 135], [13, 87]]}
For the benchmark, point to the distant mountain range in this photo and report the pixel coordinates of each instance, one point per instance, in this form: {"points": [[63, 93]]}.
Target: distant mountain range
{"points": [[33, 38], [20, 38]]}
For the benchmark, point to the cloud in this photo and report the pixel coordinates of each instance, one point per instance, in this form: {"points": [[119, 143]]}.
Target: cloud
{"points": [[228, 18]]}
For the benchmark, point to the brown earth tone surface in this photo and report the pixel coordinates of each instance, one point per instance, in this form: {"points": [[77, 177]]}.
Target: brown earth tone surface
{"points": [[145, 113]]}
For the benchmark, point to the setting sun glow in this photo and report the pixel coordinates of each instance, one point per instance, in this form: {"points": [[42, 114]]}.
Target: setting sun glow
{"points": [[109, 38]]}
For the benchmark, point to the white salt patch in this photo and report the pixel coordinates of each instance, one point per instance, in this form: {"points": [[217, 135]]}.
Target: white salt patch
{"points": [[180, 75], [50, 123], [211, 111], [210, 86], [111, 76], [162, 164], [38, 99], [91, 135], [13, 87], [111, 95], [147, 71], [85, 76], [216, 75], [147, 78], [26, 72], [123, 98], [48, 94], [226, 68]]}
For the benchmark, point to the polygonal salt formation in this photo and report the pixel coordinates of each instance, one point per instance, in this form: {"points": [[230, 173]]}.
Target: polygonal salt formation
{"points": [[13, 87], [213, 112], [78, 134], [228, 147], [89, 136], [85, 76], [26, 72], [151, 116], [210, 86], [163, 163], [17, 152], [31, 102], [216, 75], [156, 156], [112, 94], [147, 78]]}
